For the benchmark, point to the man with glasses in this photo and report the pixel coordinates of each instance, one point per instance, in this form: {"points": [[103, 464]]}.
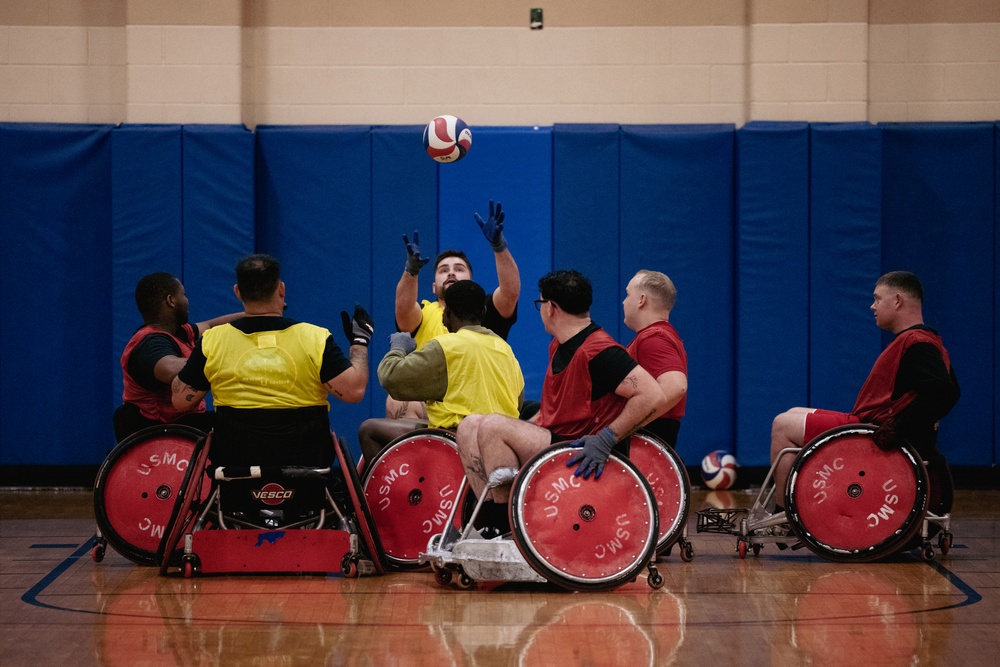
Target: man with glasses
{"points": [[594, 393]]}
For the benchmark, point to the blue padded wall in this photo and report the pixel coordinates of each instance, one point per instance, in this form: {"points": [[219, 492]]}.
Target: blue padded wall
{"points": [[845, 253], [146, 220], [404, 198], [772, 287], [55, 317], [314, 213], [676, 217], [511, 165], [218, 214], [585, 213], [774, 234], [939, 217]]}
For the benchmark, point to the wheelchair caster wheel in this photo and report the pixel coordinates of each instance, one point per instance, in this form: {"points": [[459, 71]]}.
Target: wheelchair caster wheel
{"points": [[741, 548], [97, 553], [654, 578], [756, 549], [944, 543], [349, 566], [687, 553], [927, 553], [442, 575], [465, 582], [189, 566]]}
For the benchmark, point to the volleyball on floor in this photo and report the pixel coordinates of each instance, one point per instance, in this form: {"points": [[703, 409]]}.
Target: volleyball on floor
{"points": [[447, 139], [718, 470]]}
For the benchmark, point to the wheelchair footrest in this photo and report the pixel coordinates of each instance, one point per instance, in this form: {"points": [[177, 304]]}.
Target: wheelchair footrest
{"points": [[715, 520], [250, 551]]}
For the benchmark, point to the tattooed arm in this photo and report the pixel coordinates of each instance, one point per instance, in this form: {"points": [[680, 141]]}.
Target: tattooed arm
{"points": [[349, 386], [644, 401], [184, 396]]}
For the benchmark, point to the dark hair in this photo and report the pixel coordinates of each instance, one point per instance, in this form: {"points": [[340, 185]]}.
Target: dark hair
{"points": [[258, 277], [570, 290], [466, 301], [445, 254], [151, 290], [904, 281]]}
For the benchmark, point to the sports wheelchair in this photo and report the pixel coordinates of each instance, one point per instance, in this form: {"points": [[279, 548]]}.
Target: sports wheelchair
{"points": [[846, 500], [250, 519], [136, 488], [411, 488], [578, 534]]}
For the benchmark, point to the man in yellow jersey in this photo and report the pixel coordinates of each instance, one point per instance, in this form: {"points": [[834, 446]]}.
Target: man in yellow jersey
{"points": [[270, 376], [424, 320], [468, 369]]}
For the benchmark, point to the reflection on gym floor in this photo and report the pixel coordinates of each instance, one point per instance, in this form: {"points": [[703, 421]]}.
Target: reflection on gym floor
{"points": [[778, 608]]}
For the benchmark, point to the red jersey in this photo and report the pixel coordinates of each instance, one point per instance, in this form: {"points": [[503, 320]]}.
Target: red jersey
{"points": [[659, 349], [874, 403], [156, 406], [567, 407]]}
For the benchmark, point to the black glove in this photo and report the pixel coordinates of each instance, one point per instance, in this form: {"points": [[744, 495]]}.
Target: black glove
{"points": [[596, 450], [885, 436], [358, 329], [403, 342], [493, 228], [414, 262]]}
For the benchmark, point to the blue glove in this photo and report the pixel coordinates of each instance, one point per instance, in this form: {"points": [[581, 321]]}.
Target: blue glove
{"points": [[360, 328], [493, 228], [594, 453], [403, 342], [414, 262]]}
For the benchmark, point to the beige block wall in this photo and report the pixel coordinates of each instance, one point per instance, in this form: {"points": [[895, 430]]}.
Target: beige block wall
{"points": [[403, 61]]}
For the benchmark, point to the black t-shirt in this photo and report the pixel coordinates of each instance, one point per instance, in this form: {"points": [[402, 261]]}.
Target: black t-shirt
{"points": [[496, 322], [607, 369], [148, 353]]}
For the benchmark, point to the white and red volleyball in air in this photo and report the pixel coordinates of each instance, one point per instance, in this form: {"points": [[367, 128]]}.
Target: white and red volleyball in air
{"points": [[718, 470], [447, 139]]}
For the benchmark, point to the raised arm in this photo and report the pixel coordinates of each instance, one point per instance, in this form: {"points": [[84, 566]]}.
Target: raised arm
{"points": [[508, 277], [408, 314], [350, 385]]}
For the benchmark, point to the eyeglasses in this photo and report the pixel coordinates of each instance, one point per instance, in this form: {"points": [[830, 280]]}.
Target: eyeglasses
{"points": [[539, 302]]}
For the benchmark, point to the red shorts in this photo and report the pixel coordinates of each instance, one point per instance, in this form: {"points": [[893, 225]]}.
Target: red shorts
{"points": [[821, 421]]}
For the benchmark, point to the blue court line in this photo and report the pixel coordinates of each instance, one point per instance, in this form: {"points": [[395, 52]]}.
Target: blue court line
{"points": [[31, 595], [972, 596]]}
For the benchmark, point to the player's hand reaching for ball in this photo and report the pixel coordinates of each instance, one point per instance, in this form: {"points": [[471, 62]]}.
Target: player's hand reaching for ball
{"points": [[493, 227], [414, 262]]}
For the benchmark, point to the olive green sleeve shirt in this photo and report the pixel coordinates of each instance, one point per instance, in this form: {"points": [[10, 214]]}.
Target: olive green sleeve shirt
{"points": [[421, 375]]}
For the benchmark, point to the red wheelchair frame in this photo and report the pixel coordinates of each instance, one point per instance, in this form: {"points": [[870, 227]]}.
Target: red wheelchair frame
{"points": [[205, 537]]}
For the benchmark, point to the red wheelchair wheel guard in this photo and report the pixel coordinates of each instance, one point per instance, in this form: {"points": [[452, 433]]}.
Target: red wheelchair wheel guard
{"points": [[669, 481], [848, 500], [410, 489], [362, 512], [195, 488], [583, 534], [137, 485]]}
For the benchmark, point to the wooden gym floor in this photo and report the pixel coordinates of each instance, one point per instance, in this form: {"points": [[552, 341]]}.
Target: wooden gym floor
{"points": [[58, 607]]}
